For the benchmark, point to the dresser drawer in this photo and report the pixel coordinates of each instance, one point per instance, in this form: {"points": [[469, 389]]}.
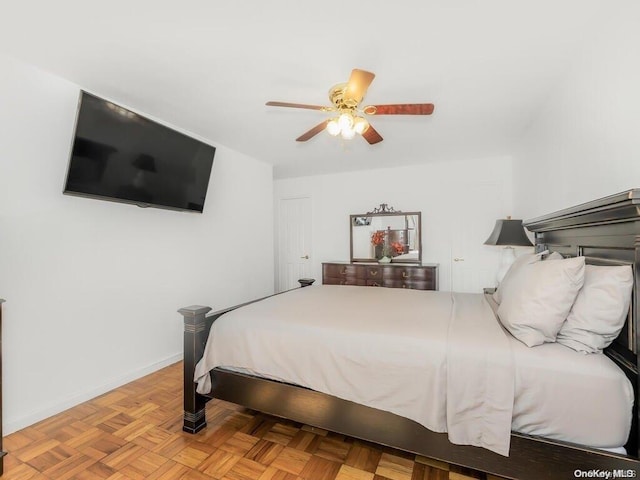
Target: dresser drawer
{"points": [[373, 272], [425, 274], [345, 280], [412, 284], [337, 270]]}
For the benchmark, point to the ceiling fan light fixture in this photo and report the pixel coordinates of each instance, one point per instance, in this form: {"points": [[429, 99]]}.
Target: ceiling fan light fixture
{"points": [[347, 125], [360, 125], [348, 134], [333, 127], [346, 121]]}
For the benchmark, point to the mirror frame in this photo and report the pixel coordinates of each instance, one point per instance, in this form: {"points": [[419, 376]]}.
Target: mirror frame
{"points": [[383, 211]]}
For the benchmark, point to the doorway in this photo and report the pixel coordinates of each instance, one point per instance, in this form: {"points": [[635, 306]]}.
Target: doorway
{"points": [[473, 264], [293, 241]]}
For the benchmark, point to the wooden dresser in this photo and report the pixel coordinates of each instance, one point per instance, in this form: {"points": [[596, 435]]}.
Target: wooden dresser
{"points": [[393, 275]]}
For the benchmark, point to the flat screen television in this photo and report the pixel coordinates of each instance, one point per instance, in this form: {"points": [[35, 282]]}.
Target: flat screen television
{"points": [[121, 156]]}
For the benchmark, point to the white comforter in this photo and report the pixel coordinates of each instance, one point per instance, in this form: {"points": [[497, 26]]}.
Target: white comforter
{"points": [[436, 358]]}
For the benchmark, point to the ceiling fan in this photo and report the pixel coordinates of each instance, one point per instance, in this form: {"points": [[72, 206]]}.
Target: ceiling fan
{"points": [[349, 119]]}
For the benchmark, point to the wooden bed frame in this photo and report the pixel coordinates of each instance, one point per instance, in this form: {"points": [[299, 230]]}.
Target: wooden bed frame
{"points": [[605, 231]]}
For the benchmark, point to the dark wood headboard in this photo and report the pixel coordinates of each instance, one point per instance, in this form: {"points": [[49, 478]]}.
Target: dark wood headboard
{"points": [[606, 232]]}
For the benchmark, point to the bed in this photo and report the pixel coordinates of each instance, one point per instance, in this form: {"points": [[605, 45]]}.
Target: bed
{"points": [[604, 231]]}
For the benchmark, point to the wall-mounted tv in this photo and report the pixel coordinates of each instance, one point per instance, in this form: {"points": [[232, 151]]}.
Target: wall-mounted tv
{"points": [[122, 156]]}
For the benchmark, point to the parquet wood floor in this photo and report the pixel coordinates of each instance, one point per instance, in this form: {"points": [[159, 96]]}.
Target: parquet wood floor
{"points": [[135, 433]]}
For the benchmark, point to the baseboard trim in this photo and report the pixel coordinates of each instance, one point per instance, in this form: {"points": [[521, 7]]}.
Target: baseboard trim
{"points": [[13, 425]]}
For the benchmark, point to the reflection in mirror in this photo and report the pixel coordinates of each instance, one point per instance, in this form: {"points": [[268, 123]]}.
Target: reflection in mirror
{"points": [[385, 232]]}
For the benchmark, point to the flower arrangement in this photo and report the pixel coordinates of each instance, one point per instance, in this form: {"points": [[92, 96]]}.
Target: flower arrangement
{"points": [[398, 248], [377, 238], [380, 245]]}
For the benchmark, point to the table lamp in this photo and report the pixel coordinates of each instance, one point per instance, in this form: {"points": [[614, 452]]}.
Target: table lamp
{"points": [[508, 233]]}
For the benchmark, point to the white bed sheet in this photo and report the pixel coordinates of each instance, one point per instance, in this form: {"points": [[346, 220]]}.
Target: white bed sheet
{"points": [[566, 395], [552, 391]]}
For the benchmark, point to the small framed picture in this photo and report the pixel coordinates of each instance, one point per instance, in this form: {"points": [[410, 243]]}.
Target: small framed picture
{"points": [[361, 221]]}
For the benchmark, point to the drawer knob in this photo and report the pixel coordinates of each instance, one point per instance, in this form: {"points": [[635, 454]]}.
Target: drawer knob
{"points": [[373, 273], [343, 272], [404, 274], [375, 284]]}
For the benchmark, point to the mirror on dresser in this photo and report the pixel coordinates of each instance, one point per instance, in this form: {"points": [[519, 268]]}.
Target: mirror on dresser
{"points": [[386, 232]]}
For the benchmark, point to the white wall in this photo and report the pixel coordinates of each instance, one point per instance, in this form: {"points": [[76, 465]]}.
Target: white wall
{"points": [[441, 191], [585, 141], [92, 287]]}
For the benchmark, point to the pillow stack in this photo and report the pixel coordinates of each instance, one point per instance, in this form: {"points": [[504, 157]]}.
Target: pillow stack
{"points": [[581, 306], [600, 309]]}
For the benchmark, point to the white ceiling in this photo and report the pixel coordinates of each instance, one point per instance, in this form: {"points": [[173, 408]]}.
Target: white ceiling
{"points": [[209, 66]]}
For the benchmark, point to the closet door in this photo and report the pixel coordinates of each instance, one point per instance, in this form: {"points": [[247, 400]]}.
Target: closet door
{"points": [[293, 241], [473, 264]]}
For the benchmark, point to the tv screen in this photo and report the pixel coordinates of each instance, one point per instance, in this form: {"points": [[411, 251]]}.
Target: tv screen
{"points": [[122, 156]]}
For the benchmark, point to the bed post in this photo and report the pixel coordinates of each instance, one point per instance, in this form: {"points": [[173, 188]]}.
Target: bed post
{"points": [[195, 337]]}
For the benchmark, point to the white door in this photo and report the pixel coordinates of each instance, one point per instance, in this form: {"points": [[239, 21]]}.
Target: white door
{"points": [[473, 264], [294, 242]]}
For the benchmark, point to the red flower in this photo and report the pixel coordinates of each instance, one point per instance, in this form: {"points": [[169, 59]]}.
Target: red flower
{"points": [[398, 247], [377, 238]]}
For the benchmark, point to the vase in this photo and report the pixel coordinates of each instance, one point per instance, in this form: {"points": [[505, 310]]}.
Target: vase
{"points": [[385, 259]]}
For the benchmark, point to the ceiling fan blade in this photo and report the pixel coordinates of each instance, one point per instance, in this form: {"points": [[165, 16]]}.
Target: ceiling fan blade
{"points": [[371, 135], [313, 132], [400, 109], [357, 86], [298, 105]]}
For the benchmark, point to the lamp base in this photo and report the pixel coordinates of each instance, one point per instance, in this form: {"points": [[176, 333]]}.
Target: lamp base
{"points": [[508, 257]]}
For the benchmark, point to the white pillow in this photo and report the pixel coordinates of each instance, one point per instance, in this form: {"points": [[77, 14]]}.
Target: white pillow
{"points": [[519, 262], [538, 299], [600, 309]]}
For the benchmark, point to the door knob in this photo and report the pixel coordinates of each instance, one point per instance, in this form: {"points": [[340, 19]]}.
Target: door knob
{"points": [[458, 259], [306, 257]]}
